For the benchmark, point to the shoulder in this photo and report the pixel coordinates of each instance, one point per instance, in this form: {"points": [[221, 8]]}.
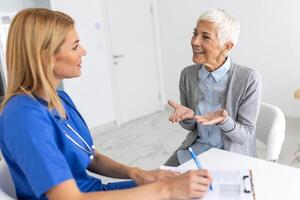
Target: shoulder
{"points": [[191, 70], [245, 73], [22, 105], [22, 117], [23, 111]]}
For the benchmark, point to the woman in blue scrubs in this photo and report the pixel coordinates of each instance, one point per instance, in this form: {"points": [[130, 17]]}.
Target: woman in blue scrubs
{"points": [[43, 137]]}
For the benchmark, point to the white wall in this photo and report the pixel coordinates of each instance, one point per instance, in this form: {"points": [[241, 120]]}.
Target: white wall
{"points": [[13, 6], [92, 92], [269, 42]]}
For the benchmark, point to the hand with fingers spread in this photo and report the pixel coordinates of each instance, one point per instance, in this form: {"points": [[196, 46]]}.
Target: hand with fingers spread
{"points": [[180, 112], [215, 117], [190, 185]]}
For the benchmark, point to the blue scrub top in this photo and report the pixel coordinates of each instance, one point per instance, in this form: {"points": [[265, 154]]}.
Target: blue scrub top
{"points": [[38, 153]]}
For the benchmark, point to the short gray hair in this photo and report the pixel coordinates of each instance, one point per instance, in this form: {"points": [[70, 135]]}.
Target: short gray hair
{"points": [[228, 28]]}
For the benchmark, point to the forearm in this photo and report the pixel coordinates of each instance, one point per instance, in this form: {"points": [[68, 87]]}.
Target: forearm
{"points": [[105, 166], [68, 190], [242, 127], [236, 131], [154, 191], [192, 184]]}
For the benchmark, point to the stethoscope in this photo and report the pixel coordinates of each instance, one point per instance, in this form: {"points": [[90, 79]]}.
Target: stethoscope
{"points": [[90, 150]]}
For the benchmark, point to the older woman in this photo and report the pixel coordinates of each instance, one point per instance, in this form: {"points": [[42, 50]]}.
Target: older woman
{"points": [[219, 99]]}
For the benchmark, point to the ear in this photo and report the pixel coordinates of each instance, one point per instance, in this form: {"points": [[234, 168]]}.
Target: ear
{"points": [[46, 59], [227, 47]]}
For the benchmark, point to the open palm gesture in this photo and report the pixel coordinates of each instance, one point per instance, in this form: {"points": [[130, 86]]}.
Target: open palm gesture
{"points": [[215, 117], [180, 112]]}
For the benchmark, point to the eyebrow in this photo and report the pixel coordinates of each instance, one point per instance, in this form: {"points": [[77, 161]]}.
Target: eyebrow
{"points": [[205, 33], [76, 41]]}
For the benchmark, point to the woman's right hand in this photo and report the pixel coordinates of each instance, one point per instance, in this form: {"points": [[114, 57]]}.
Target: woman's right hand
{"points": [[180, 112], [192, 184]]}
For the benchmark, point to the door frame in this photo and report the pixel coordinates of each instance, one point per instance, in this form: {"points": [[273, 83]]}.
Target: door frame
{"points": [[158, 56]]}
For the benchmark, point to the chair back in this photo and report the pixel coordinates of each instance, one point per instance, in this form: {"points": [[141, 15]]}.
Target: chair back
{"points": [[270, 129], [7, 188]]}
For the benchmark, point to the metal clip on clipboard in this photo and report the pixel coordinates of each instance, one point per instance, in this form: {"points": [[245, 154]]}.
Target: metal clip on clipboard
{"points": [[248, 184]]}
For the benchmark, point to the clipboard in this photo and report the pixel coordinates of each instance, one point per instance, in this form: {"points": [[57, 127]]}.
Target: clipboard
{"points": [[231, 185], [249, 188], [227, 185]]}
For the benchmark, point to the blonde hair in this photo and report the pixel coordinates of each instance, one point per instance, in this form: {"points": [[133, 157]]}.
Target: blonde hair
{"points": [[35, 35]]}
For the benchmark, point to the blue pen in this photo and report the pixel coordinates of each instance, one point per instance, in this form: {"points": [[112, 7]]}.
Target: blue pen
{"points": [[197, 162]]}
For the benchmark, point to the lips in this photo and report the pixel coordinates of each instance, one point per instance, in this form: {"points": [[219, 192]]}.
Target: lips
{"points": [[198, 51]]}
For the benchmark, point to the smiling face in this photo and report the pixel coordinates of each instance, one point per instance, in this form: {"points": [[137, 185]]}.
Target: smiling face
{"points": [[67, 61], [206, 47]]}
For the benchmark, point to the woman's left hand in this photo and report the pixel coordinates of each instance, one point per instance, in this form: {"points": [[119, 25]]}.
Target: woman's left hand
{"points": [[215, 117], [141, 177]]}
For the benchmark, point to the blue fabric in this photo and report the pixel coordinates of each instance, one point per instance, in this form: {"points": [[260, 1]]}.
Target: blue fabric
{"points": [[117, 186], [36, 150], [213, 86]]}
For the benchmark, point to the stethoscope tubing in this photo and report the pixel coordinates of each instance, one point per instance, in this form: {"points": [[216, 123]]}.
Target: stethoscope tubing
{"points": [[89, 150]]}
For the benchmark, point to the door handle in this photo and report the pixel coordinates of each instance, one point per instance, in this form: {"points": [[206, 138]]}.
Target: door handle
{"points": [[116, 56]]}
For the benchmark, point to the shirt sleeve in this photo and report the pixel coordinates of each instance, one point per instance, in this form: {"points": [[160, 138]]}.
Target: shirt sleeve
{"points": [[187, 124], [243, 126], [32, 144]]}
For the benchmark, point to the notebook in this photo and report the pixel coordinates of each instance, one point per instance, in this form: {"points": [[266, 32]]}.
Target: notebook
{"points": [[227, 185]]}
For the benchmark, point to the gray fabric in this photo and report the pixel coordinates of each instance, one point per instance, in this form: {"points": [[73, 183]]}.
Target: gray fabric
{"points": [[173, 160], [184, 155], [213, 85], [242, 103]]}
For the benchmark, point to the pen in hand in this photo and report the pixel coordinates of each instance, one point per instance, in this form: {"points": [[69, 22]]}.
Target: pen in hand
{"points": [[197, 162]]}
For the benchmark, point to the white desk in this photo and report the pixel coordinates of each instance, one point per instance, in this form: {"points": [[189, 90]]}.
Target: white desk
{"points": [[271, 181]]}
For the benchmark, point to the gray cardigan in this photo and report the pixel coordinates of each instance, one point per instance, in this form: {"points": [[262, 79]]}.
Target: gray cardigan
{"points": [[242, 103]]}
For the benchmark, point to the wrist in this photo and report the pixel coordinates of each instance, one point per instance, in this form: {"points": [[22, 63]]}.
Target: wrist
{"points": [[133, 172], [223, 121], [224, 114]]}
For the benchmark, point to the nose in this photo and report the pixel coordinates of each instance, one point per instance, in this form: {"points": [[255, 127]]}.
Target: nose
{"points": [[83, 52], [196, 40]]}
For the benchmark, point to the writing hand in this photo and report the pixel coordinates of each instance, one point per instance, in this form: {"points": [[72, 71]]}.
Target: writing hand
{"points": [[190, 185]]}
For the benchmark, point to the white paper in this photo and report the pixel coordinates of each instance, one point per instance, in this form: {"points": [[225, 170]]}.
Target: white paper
{"points": [[227, 185]]}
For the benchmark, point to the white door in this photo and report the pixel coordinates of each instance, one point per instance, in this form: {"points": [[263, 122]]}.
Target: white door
{"points": [[134, 59]]}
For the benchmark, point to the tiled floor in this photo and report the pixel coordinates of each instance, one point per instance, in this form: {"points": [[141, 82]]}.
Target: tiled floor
{"points": [[149, 141]]}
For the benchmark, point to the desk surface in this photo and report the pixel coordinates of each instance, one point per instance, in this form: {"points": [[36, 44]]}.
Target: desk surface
{"points": [[272, 181]]}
